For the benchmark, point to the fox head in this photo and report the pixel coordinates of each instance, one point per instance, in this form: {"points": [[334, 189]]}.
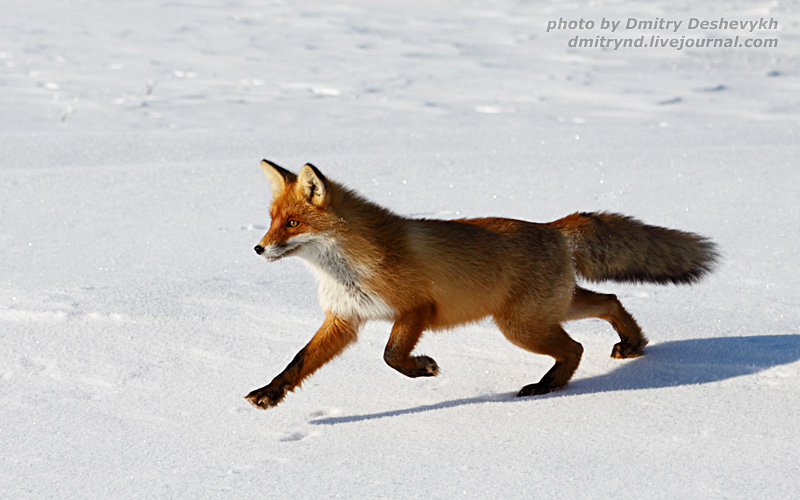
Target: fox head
{"points": [[301, 220]]}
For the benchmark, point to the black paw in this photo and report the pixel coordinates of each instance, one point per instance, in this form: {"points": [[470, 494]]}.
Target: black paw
{"points": [[266, 397], [426, 367], [534, 390], [623, 350]]}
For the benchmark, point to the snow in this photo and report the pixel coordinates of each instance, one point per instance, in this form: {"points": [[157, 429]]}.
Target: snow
{"points": [[135, 317]]}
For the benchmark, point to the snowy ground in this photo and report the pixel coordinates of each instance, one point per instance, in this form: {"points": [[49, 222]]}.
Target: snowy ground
{"points": [[134, 315]]}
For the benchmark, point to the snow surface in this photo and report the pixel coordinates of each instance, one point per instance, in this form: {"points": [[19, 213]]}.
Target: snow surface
{"points": [[134, 315]]}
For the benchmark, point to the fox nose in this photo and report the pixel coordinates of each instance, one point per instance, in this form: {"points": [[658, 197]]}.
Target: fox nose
{"points": [[259, 249]]}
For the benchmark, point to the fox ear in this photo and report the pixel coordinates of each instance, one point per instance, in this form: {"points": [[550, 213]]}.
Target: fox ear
{"points": [[278, 177], [312, 185]]}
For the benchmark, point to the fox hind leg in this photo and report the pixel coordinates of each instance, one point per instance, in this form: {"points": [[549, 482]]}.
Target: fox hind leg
{"points": [[550, 340], [589, 304]]}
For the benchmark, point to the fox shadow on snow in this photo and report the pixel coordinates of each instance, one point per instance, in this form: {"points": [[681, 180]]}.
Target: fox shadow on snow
{"points": [[667, 364]]}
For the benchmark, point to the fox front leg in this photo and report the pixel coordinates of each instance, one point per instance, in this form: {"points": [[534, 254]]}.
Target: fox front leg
{"points": [[407, 330], [332, 337]]}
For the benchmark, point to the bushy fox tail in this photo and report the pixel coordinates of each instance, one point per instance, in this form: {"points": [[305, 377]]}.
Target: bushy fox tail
{"points": [[616, 247]]}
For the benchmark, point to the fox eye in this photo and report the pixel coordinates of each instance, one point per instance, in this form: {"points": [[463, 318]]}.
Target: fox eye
{"points": [[292, 223]]}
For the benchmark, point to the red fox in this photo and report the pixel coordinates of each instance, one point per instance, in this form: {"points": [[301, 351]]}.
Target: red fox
{"points": [[427, 274]]}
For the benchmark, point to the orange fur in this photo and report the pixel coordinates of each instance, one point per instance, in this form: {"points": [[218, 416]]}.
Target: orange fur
{"points": [[430, 274]]}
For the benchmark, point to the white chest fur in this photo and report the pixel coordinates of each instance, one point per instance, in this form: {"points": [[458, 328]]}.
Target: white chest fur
{"points": [[341, 289]]}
